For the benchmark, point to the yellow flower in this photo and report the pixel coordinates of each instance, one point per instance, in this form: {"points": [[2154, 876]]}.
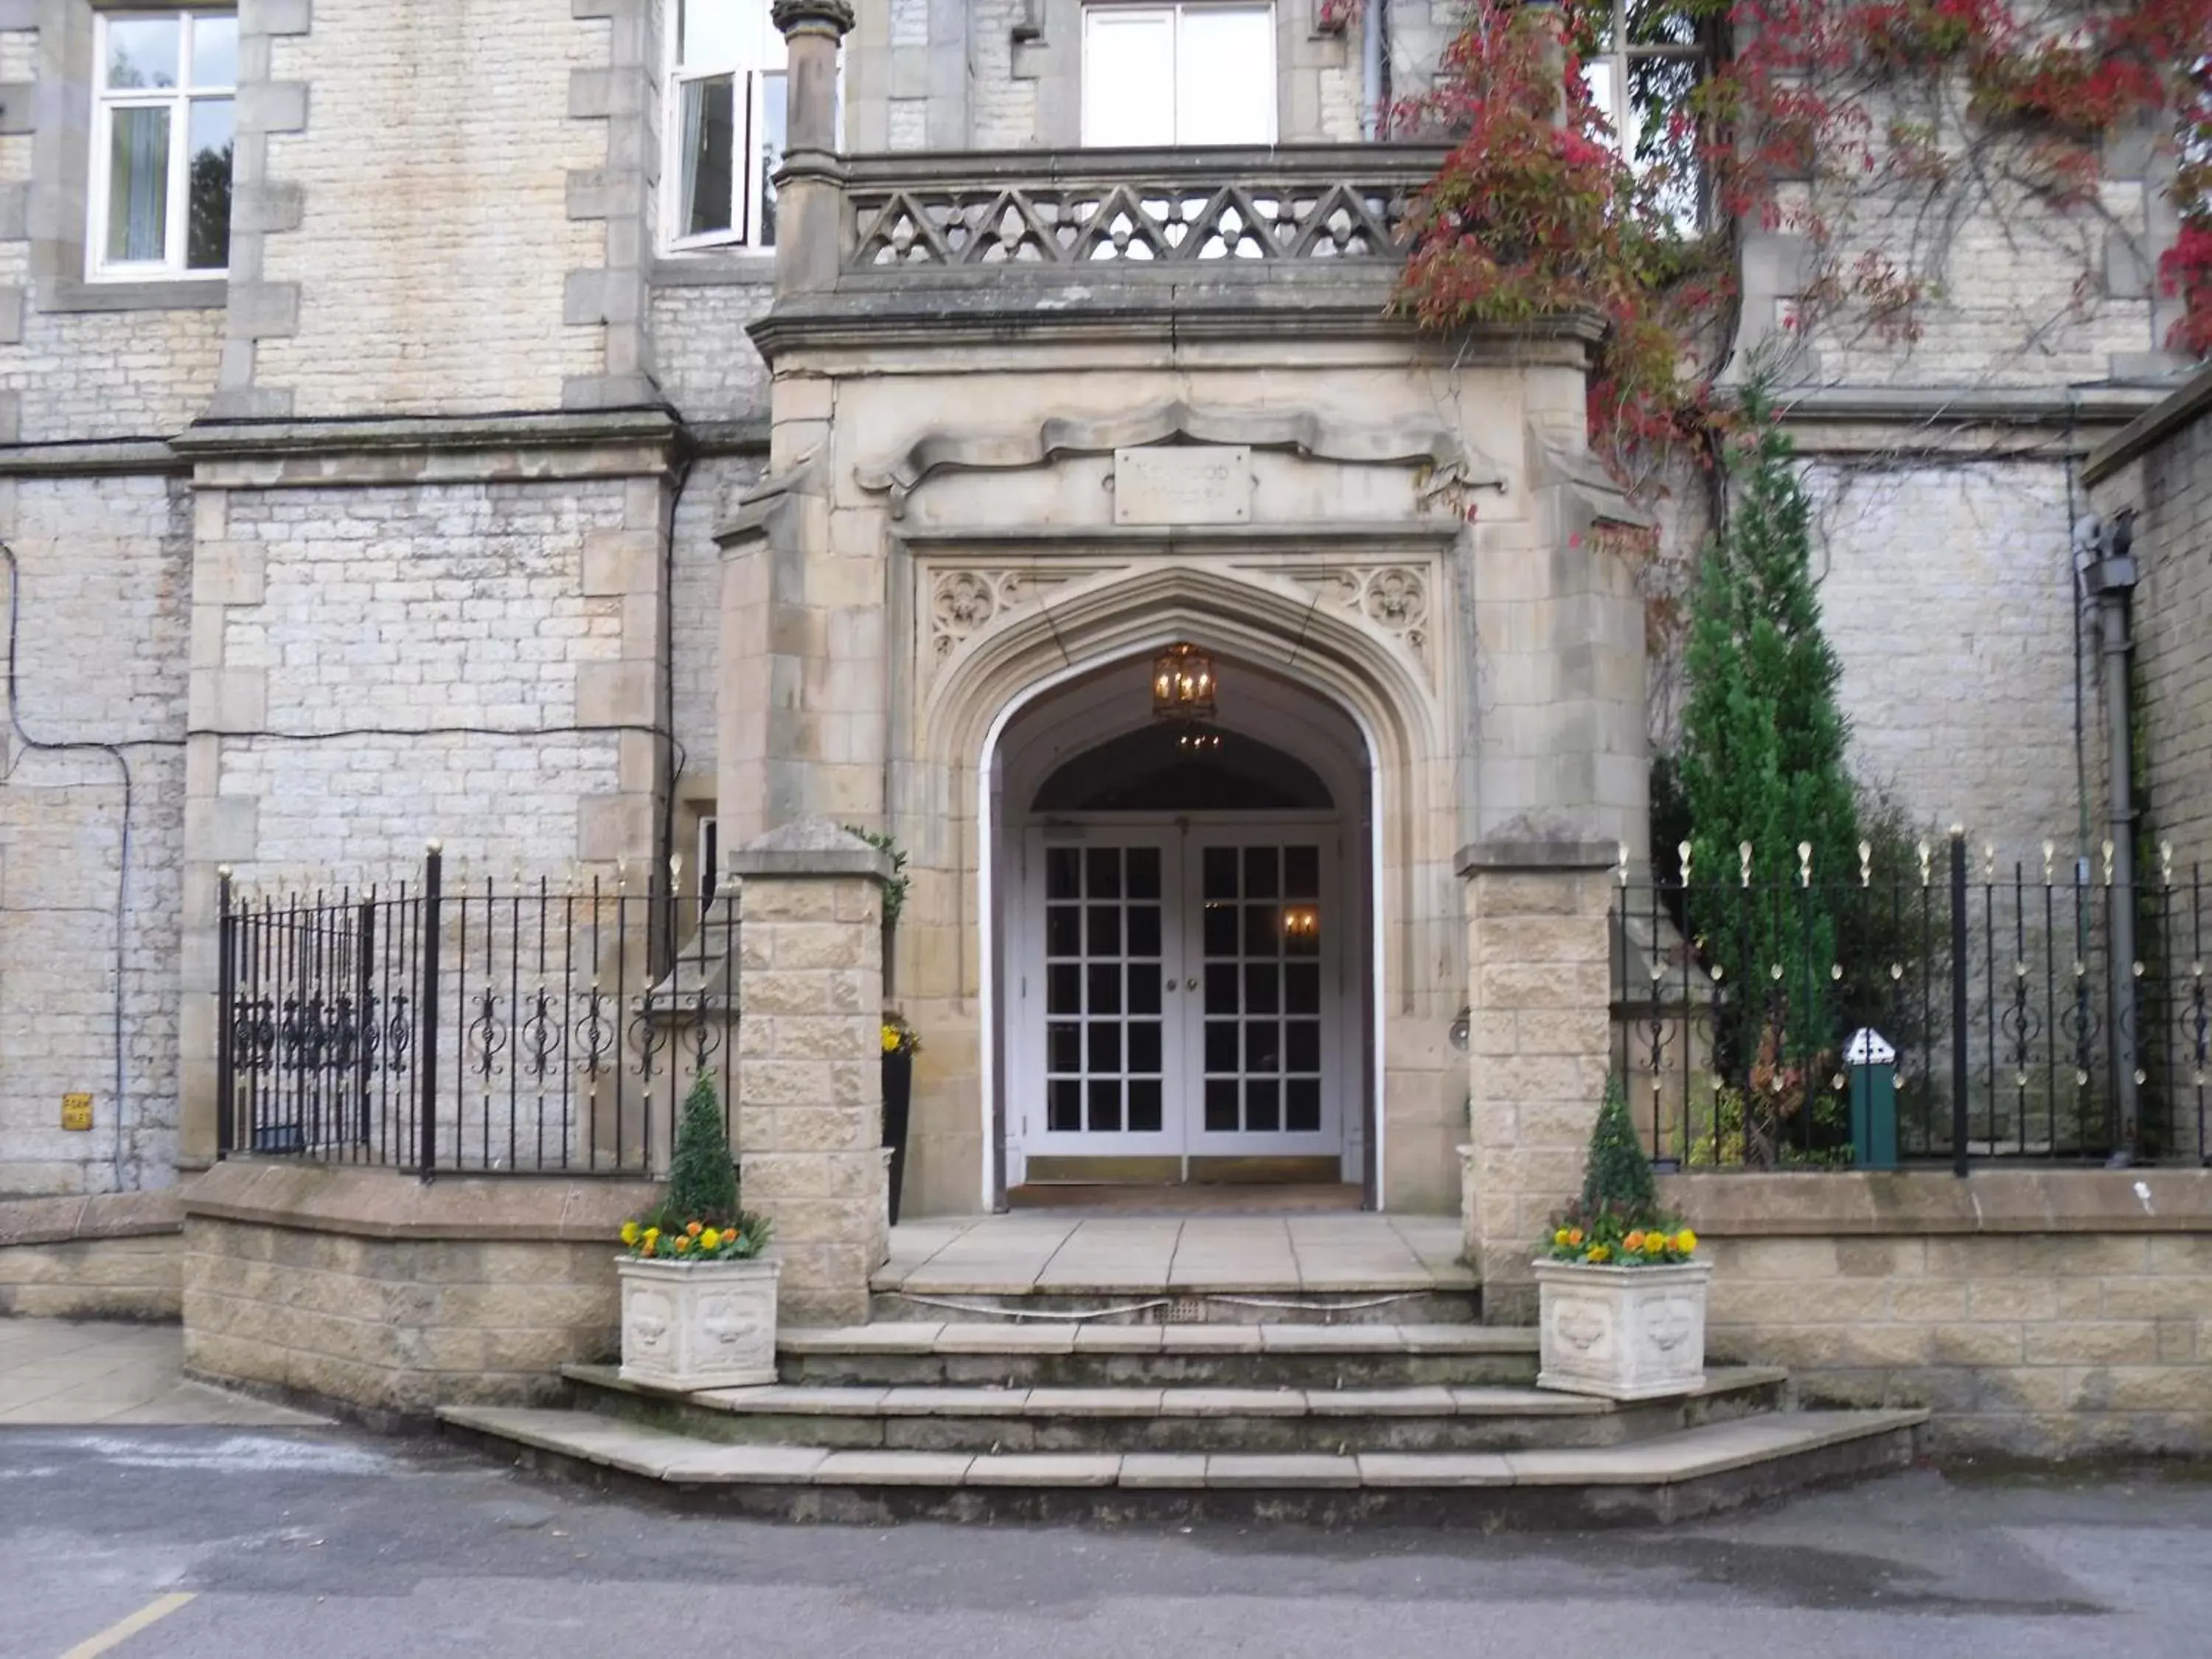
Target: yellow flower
{"points": [[1560, 1236], [1686, 1241], [710, 1240], [631, 1232], [890, 1039], [651, 1234], [648, 1247], [1597, 1253], [1654, 1242]]}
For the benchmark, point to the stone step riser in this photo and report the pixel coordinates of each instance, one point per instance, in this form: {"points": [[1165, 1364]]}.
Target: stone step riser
{"points": [[1523, 1508], [1110, 1371], [1196, 1308], [1225, 1434]]}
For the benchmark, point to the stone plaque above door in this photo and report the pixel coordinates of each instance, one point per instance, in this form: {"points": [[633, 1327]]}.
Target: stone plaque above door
{"points": [[1205, 483]]}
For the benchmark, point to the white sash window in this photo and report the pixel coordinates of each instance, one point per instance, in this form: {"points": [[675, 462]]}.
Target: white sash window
{"points": [[725, 109], [1187, 75], [162, 136]]}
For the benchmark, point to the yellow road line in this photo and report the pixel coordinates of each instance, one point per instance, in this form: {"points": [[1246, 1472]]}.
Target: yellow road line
{"points": [[123, 1629]]}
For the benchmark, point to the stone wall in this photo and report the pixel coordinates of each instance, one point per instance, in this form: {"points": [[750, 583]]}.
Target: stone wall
{"points": [[2044, 1313], [116, 1257], [2162, 468], [374, 1291], [100, 607]]}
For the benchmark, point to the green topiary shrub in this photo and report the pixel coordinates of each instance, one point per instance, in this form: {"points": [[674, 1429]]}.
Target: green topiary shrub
{"points": [[1616, 1221], [698, 1219]]}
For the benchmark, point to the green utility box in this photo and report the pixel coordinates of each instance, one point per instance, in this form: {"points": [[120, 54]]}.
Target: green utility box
{"points": [[1873, 1063]]}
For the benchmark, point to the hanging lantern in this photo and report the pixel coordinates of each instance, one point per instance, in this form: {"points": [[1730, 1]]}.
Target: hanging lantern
{"points": [[1183, 684]]}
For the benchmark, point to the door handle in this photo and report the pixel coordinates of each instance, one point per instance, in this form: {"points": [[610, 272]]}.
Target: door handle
{"points": [[1190, 985], [1171, 984]]}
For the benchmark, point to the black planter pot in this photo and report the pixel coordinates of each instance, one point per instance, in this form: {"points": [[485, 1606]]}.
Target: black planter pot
{"points": [[898, 1099]]}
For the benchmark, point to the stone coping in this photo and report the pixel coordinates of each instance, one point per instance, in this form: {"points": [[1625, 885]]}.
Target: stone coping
{"points": [[395, 1205], [2187, 402], [1536, 855], [1815, 1203], [808, 849], [104, 1215]]}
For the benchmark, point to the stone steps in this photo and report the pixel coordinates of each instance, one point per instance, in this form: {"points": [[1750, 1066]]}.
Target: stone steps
{"points": [[1068, 1354], [1130, 1420], [1371, 1300], [1669, 1477]]}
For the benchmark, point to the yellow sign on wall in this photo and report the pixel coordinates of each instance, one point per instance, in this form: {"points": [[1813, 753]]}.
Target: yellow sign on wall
{"points": [[76, 1111]]}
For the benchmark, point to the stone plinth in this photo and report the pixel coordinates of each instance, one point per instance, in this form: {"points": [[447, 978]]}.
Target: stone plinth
{"points": [[809, 1074], [1539, 1041]]}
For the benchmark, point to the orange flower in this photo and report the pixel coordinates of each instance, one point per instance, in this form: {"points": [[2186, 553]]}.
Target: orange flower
{"points": [[695, 1228], [1575, 1236], [1634, 1241]]}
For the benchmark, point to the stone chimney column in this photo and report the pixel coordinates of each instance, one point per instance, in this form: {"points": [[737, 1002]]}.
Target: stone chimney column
{"points": [[810, 188]]}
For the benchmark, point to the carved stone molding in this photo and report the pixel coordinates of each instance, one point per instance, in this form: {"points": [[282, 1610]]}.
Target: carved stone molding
{"points": [[964, 603], [1301, 432]]}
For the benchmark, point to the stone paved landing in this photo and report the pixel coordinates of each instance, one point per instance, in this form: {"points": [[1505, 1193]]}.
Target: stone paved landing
{"points": [[62, 1372], [1064, 1253]]}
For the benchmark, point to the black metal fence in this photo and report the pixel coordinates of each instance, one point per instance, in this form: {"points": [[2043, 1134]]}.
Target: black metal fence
{"points": [[2033, 1012], [530, 1027]]}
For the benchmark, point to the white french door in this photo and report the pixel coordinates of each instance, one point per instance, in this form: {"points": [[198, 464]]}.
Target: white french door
{"points": [[1179, 992]]}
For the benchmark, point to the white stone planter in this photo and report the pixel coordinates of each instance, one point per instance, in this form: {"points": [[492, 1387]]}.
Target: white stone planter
{"points": [[698, 1324], [1623, 1332]]}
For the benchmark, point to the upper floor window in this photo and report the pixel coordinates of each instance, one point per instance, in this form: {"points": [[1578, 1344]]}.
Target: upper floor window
{"points": [[1642, 60], [1197, 74], [726, 115], [162, 133]]}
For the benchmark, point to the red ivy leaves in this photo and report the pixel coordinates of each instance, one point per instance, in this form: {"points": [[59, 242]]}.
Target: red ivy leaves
{"points": [[1535, 215]]}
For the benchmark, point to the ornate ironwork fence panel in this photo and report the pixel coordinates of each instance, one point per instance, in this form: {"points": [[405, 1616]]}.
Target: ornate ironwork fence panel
{"points": [[483, 1027], [1984, 999]]}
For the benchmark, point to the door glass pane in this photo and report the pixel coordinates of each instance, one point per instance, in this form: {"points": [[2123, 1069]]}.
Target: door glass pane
{"points": [[207, 228], [1063, 1047], [215, 51], [1219, 878], [1144, 1045], [1226, 90], [1221, 1106], [711, 32], [1105, 1045], [1262, 1105], [1064, 989], [1105, 930], [1105, 988], [1302, 987], [1063, 930], [142, 52], [1220, 930], [1302, 1105], [1105, 1106], [1261, 931], [1301, 873], [1144, 1115], [1144, 983], [707, 147], [1063, 871], [1144, 872], [138, 184], [1105, 872], [1263, 1046], [1260, 988], [1143, 930], [1260, 872], [1221, 1045], [1220, 988], [1302, 1047], [1064, 1105], [1128, 76]]}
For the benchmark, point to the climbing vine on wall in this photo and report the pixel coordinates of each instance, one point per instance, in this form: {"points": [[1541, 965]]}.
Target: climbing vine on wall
{"points": [[1871, 132]]}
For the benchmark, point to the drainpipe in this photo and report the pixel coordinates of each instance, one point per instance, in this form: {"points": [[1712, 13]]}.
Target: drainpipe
{"points": [[1370, 71], [2111, 580]]}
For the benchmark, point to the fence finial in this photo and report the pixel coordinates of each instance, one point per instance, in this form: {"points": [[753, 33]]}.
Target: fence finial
{"points": [[1682, 851], [1927, 855], [1624, 864], [2165, 864], [2050, 865], [1743, 858], [434, 847], [1866, 864], [675, 870], [2108, 862], [1988, 860], [1804, 863]]}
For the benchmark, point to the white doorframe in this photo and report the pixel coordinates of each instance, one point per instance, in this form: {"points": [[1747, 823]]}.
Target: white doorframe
{"points": [[990, 831]]}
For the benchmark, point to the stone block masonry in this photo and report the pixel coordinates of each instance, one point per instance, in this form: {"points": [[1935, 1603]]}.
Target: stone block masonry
{"points": [[2063, 1313], [810, 1073], [1539, 1041]]}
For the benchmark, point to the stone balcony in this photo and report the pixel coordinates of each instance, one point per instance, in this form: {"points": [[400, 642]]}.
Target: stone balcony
{"points": [[1219, 242]]}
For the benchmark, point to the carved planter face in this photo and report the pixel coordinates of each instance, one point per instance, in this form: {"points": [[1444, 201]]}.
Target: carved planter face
{"points": [[697, 1324], [1623, 1332]]}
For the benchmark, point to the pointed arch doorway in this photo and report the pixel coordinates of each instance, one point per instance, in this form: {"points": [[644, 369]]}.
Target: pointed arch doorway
{"points": [[1186, 937]]}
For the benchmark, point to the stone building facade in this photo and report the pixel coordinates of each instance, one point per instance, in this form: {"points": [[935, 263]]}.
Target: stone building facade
{"points": [[512, 483]]}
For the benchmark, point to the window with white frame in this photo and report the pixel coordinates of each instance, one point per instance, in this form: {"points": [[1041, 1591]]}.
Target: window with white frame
{"points": [[726, 111], [1646, 58], [161, 131], [1197, 74]]}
